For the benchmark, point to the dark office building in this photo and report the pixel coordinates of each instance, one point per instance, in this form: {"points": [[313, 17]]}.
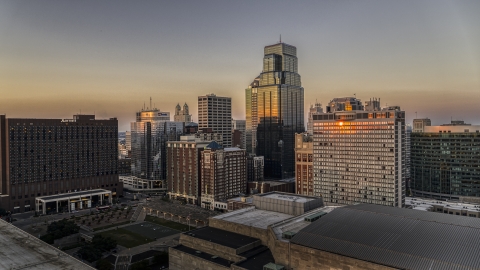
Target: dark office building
{"points": [[445, 162], [275, 111], [50, 156]]}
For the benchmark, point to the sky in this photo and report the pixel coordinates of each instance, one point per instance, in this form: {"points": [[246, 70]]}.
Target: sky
{"points": [[60, 58]]}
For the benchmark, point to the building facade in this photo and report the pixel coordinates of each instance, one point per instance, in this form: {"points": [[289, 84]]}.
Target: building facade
{"points": [[275, 110], [255, 168], [182, 115], [359, 157], [445, 161], [148, 139], [216, 113], [238, 133], [183, 168], [304, 164], [420, 124], [314, 109], [42, 157], [223, 173]]}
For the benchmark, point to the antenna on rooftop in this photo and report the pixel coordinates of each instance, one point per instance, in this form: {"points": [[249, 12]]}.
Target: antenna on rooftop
{"points": [[416, 115], [280, 38], [150, 103]]}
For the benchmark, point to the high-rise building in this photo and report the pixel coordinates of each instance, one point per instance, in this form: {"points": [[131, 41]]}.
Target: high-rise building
{"points": [[216, 113], [408, 135], [304, 164], [183, 168], [128, 140], [182, 115], [238, 133], [148, 140], [314, 109], [255, 168], [223, 173], [420, 124], [359, 156], [40, 157], [445, 161], [344, 104], [275, 110]]}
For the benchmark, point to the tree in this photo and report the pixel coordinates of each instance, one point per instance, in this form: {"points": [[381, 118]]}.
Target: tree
{"points": [[3, 212], [89, 253], [103, 264], [143, 265], [103, 243]]}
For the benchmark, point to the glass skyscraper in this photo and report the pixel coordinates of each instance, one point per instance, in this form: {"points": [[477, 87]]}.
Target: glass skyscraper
{"points": [[275, 111]]}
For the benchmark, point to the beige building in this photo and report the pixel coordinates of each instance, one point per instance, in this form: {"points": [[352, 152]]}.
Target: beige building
{"points": [[304, 164]]}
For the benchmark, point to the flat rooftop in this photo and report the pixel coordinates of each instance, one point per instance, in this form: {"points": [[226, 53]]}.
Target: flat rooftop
{"points": [[422, 203], [297, 223], [286, 197], [254, 217], [396, 237], [203, 255], [73, 194], [221, 237], [20, 250], [257, 261]]}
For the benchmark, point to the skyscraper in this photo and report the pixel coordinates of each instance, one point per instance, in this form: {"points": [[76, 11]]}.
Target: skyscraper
{"points": [[216, 113], [359, 156], [147, 135], [274, 110]]}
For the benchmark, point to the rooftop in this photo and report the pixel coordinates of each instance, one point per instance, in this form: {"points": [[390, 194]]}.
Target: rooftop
{"points": [[287, 197], [257, 261], [428, 204], [203, 255], [253, 217], [19, 250], [396, 237], [221, 237]]}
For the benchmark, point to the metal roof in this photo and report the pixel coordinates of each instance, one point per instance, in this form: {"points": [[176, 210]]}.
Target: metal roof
{"points": [[400, 238]]}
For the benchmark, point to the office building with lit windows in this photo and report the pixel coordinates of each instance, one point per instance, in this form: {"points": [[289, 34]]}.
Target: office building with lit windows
{"points": [[48, 157], [445, 161], [275, 111], [359, 156]]}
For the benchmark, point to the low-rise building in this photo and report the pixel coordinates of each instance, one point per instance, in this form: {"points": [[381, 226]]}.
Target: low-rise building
{"points": [[284, 185]]}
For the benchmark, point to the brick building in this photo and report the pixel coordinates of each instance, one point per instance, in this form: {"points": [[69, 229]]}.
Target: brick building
{"points": [[223, 173]]}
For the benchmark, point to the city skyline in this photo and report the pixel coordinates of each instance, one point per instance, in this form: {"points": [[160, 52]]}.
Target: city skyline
{"points": [[67, 58]]}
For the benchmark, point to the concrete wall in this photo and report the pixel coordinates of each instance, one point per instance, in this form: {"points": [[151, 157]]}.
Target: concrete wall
{"points": [[240, 229], [209, 247], [181, 260], [286, 206]]}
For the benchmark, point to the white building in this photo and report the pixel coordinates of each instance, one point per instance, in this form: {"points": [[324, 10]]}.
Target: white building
{"points": [[359, 157]]}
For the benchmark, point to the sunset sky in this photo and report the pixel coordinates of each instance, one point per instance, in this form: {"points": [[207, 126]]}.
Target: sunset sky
{"points": [[109, 57]]}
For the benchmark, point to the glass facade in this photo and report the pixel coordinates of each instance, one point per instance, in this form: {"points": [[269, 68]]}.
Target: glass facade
{"points": [[148, 138], [275, 111], [445, 162], [359, 157]]}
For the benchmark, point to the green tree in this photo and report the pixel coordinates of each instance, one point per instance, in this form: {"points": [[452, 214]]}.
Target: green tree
{"points": [[103, 243], [3, 212], [89, 253], [103, 264]]}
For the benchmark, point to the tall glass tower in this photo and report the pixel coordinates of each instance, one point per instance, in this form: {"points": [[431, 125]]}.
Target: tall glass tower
{"points": [[274, 110]]}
